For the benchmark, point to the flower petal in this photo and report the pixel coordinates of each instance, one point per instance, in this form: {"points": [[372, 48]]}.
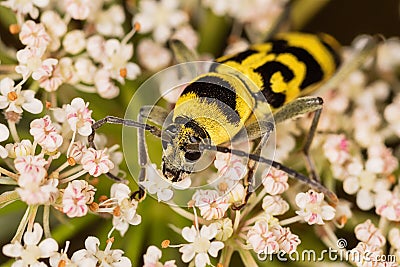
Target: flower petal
{"points": [[4, 132], [165, 194], [189, 234], [48, 247], [209, 232], [187, 252], [34, 107], [92, 244], [13, 250], [33, 238], [215, 247], [202, 259]]}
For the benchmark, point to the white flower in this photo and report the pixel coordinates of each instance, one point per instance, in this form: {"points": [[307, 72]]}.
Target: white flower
{"points": [[76, 197], [96, 162], [55, 27], [275, 181], [156, 184], [77, 150], [160, 17], [336, 149], [200, 245], [381, 160], [67, 70], [366, 120], [364, 255], [261, 239], [225, 229], [212, 206], [152, 258], [45, 69], [32, 250], [287, 241], [95, 47], [313, 208], [54, 23], [124, 214], [369, 234], [15, 99], [45, 134], [388, 58], [230, 166], [116, 60], [109, 22], [78, 9], [79, 116], [85, 70], [33, 34], [74, 42], [105, 86], [387, 204], [35, 193], [53, 80], [26, 6], [153, 56], [261, 14], [275, 205], [24, 148], [365, 185], [93, 255], [29, 59], [32, 166]]}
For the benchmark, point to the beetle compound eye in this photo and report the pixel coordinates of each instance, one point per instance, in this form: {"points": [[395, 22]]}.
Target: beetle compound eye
{"points": [[192, 156]]}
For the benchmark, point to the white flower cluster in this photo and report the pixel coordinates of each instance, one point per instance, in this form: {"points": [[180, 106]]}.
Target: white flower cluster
{"points": [[91, 61]]}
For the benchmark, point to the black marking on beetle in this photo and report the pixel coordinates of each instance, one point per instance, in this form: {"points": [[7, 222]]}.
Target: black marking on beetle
{"points": [[216, 91], [266, 71], [314, 71], [332, 51]]}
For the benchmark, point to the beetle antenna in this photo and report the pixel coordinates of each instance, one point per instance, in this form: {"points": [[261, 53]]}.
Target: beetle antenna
{"points": [[279, 166], [116, 120]]}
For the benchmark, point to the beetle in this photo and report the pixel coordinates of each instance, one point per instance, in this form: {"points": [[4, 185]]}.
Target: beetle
{"points": [[216, 108]]}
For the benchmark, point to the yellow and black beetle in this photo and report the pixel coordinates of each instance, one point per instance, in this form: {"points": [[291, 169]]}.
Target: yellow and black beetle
{"points": [[223, 104]]}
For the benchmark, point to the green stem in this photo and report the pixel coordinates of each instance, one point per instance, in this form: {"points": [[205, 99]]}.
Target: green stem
{"points": [[73, 177], [226, 255], [8, 197], [46, 221], [29, 213], [247, 258], [383, 225], [8, 173], [7, 181], [291, 220], [13, 131]]}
